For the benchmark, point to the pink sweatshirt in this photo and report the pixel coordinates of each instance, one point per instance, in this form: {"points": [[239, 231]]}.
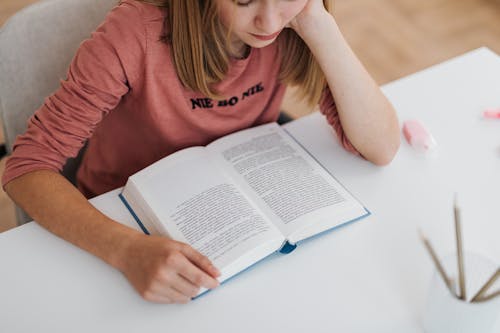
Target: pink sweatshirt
{"points": [[122, 93]]}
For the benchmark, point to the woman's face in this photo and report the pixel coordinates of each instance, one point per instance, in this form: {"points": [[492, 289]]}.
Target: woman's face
{"points": [[257, 22]]}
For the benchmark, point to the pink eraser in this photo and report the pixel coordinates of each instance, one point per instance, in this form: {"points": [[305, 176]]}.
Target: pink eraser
{"points": [[417, 135], [491, 113]]}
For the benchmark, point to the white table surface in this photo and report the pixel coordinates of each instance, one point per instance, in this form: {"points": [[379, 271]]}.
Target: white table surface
{"points": [[371, 276]]}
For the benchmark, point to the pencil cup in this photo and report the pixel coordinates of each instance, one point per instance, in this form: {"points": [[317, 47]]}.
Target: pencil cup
{"points": [[444, 312]]}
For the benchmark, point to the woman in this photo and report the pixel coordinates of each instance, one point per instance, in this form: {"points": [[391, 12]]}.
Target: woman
{"points": [[161, 76]]}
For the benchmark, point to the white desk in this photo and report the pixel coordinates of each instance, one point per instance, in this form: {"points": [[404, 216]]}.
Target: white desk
{"points": [[370, 276]]}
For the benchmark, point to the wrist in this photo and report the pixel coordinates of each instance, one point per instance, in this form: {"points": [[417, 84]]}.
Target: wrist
{"points": [[314, 27], [326, 42], [122, 241]]}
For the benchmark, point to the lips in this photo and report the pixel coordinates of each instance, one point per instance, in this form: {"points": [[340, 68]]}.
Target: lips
{"points": [[268, 37]]}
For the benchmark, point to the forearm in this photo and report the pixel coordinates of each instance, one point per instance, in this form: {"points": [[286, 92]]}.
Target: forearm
{"points": [[59, 207], [367, 117]]}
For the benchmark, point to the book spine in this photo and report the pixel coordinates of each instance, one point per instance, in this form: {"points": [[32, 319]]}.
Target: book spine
{"points": [[287, 247], [134, 215]]}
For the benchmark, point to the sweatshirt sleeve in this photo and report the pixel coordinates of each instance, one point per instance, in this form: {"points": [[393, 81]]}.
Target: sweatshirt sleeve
{"points": [[102, 71], [328, 107]]}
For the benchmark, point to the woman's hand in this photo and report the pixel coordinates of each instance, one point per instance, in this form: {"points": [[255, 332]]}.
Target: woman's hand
{"points": [[305, 22], [166, 271]]}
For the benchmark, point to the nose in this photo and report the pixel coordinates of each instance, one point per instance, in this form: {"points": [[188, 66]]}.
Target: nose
{"points": [[268, 18]]}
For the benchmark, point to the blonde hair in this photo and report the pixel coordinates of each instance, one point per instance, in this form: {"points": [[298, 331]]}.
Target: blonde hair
{"points": [[201, 55]]}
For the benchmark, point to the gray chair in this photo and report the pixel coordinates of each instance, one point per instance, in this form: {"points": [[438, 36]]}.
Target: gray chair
{"points": [[37, 45]]}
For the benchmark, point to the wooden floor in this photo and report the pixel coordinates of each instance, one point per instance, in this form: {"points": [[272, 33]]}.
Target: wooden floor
{"points": [[393, 38]]}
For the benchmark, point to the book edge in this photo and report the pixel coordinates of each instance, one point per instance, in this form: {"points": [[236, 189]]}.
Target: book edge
{"points": [[339, 226], [134, 215]]}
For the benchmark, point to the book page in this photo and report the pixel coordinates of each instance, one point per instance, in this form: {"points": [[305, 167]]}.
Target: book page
{"points": [[300, 196], [192, 201]]}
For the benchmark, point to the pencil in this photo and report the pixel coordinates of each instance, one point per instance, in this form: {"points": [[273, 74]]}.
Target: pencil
{"points": [[487, 285], [438, 265], [488, 297], [462, 294]]}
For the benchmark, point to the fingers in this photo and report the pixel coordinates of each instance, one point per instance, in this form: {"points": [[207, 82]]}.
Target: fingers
{"points": [[169, 287], [200, 271], [181, 277], [184, 287], [200, 260], [163, 294]]}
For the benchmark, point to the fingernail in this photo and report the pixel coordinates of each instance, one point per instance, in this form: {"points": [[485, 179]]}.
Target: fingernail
{"points": [[215, 270]]}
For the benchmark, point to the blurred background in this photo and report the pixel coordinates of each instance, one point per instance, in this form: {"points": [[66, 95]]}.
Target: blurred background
{"points": [[392, 38]]}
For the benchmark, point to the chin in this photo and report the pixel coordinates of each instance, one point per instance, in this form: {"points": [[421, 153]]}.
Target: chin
{"points": [[260, 44]]}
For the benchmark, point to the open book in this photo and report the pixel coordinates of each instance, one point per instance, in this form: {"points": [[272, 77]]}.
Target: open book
{"points": [[241, 198]]}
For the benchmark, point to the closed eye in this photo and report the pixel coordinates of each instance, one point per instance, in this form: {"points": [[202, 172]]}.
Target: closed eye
{"points": [[244, 3]]}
